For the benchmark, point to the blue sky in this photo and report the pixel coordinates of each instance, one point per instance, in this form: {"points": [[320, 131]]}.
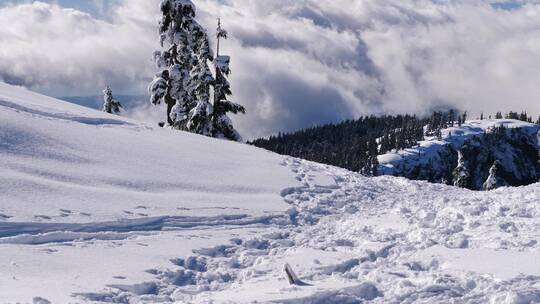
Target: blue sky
{"points": [[97, 8]]}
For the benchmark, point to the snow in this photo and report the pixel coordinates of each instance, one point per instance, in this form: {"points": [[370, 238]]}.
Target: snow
{"points": [[96, 207], [392, 163]]}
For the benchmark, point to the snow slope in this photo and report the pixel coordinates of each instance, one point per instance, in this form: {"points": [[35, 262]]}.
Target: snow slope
{"points": [[68, 172], [98, 208]]}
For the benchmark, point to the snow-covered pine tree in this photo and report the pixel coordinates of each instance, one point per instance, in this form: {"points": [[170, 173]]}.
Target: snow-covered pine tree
{"points": [[110, 105], [222, 124], [199, 118], [461, 172], [185, 78], [494, 180]]}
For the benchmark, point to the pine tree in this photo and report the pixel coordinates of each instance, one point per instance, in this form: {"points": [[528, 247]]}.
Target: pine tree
{"points": [[110, 105], [451, 117], [374, 170], [494, 180], [523, 116], [185, 78], [461, 172], [222, 124]]}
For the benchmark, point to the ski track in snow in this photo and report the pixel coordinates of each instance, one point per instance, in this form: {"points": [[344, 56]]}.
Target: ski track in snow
{"points": [[384, 240], [43, 233]]}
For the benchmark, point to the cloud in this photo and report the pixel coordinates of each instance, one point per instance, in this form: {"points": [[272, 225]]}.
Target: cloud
{"points": [[65, 51], [299, 63]]}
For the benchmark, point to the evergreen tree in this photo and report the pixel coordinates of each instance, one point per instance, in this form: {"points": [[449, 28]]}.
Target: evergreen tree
{"points": [[498, 115], [451, 117], [461, 172], [185, 78], [110, 105], [222, 124], [482, 116], [512, 115], [523, 116], [494, 180], [374, 166]]}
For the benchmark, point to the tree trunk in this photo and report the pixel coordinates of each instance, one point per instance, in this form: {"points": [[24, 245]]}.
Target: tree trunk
{"points": [[170, 105]]}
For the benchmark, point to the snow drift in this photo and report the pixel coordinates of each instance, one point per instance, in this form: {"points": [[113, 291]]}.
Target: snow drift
{"points": [[57, 155]]}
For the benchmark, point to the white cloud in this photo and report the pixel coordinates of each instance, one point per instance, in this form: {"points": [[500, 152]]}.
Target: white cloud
{"points": [[297, 63], [53, 49]]}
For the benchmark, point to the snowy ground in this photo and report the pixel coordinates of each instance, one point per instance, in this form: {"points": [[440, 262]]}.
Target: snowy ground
{"points": [[100, 208]]}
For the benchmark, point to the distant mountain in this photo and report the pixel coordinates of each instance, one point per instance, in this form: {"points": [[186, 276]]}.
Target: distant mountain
{"points": [[96, 102], [464, 155]]}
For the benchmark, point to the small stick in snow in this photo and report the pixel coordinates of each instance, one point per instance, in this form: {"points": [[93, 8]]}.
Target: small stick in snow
{"points": [[291, 276]]}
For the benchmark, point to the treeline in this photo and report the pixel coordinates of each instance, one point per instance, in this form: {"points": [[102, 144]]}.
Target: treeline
{"points": [[355, 144], [352, 144]]}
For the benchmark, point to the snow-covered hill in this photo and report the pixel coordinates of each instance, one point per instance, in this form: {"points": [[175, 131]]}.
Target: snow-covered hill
{"points": [[481, 143], [99, 208]]}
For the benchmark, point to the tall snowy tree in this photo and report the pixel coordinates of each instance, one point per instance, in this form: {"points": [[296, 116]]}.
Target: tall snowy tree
{"points": [[494, 179], [110, 105], [185, 78], [461, 172], [222, 124]]}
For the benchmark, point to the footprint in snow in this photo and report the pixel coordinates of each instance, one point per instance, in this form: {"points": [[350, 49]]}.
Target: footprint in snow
{"points": [[42, 217], [65, 212], [4, 216], [49, 250]]}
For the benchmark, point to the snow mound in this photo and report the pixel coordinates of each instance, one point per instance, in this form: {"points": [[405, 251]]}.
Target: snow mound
{"points": [[83, 165]]}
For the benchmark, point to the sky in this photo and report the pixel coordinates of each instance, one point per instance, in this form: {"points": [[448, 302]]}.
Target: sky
{"points": [[295, 63]]}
